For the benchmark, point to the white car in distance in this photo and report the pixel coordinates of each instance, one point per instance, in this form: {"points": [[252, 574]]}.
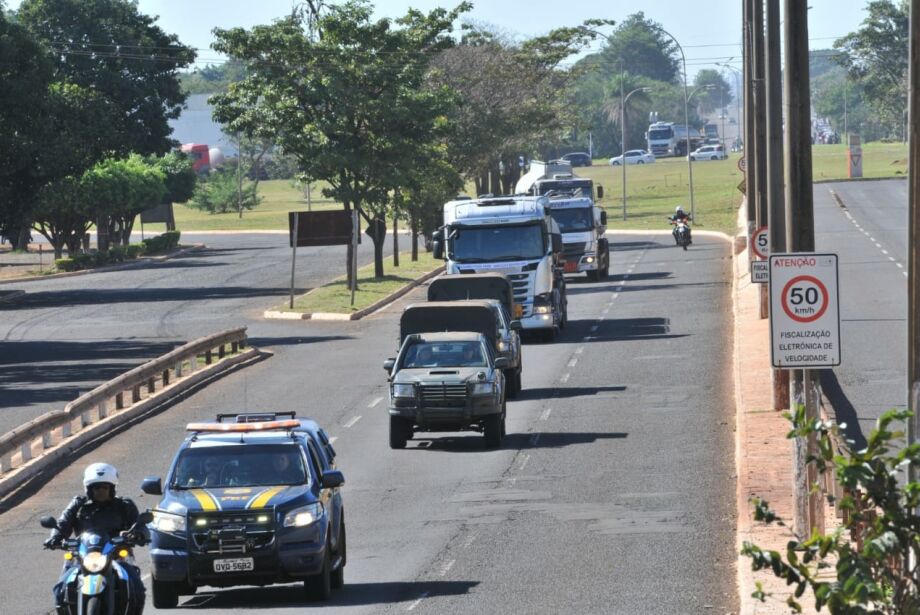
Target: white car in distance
{"points": [[709, 152], [633, 156]]}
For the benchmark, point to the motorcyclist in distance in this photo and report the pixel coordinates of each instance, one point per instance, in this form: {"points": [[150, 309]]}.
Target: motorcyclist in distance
{"points": [[681, 216], [101, 511]]}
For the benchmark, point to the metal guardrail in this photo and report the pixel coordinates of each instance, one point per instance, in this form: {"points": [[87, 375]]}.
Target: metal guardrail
{"points": [[32, 439]]}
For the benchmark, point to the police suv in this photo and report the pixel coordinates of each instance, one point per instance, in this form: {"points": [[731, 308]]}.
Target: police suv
{"points": [[250, 499]]}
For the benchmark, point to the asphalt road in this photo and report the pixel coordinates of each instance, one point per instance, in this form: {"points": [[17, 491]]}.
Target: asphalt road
{"points": [[870, 237], [67, 335], [614, 491]]}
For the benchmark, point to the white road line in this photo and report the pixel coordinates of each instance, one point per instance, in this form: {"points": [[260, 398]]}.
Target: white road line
{"points": [[524, 459], [891, 258], [615, 295], [587, 338], [573, 362], [579, 350], [545, 415], [417, 602], [534, 439], [885, 252], [446, 567], [352, 422], [376, 401], [333, 439], [564, 378], [593, 328], [900, 266], [606, 311], [469, 540], [877, 244], [145, 578], [905, 273]]}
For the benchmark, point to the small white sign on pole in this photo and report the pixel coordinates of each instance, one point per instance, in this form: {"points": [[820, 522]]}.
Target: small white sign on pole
{"points": [[804, 310], [760, 272]]}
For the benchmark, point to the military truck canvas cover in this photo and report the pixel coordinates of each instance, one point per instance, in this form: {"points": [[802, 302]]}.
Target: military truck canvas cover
{"points": [[473, 286], [438, 316]]}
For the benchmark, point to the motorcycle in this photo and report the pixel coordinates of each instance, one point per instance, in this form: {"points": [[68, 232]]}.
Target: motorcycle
{"points": [[681, 232], [95, 580]]}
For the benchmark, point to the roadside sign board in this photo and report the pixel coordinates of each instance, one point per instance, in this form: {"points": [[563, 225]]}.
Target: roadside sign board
{"points": [[760, 272], [804, 310], [320, 228], [760, 243], [742, 164], [742, 188]]}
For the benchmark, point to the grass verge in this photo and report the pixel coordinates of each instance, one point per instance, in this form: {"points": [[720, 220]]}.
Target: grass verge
{"points": [[335, 296]]}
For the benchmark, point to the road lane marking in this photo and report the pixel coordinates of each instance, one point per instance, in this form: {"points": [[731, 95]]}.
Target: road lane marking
{"points": [[446, 567], [606, 311], [333, 439], [885, 252], [564, 378], [891, 258], [900, 266], [615, 295], [524, 459], [593, 328], [469, 540], [573, 362], [376, 401], [579, 350], [352, 421], [534, 439], [545, 415], [417, 602]]}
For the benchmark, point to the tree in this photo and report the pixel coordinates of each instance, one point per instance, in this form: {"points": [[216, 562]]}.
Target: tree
{"points": [[108, 46], [25, 74], [349, 103], [179, 177], [874, 554], [639, 46], [875, 57], [636, 107], [720, 91], [219, 193]]}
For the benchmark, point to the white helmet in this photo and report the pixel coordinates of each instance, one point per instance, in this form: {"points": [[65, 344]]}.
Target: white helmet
{"points": [[679, 209], [100, 473]]}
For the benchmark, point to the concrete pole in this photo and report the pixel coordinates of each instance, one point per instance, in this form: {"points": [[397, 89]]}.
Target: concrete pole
{"points": [[750, 177], [800, 237], [776, 211], [913, 196], [760, 131]]}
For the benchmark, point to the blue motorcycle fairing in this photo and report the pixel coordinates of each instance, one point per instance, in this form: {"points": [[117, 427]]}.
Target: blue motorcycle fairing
{"points": [[71, 574], [120, 571], [93, 585]]}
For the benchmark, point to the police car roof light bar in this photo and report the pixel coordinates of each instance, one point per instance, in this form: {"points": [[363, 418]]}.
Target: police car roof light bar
{"points": [[243, 427], [254, 417]]}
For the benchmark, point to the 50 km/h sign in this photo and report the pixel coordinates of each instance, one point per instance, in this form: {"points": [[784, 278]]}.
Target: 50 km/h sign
{"points": [[760, 243], [804, 310]]}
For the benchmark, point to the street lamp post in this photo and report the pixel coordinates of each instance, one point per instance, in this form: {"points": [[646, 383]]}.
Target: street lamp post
{"points": [[623, 100], [736, 72]]}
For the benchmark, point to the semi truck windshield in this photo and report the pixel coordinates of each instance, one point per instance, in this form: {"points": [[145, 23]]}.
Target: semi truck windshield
{"points": [[480, 244], [573, 220], [661, 133]]}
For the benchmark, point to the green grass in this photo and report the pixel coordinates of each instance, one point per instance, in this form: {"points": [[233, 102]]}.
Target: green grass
{"points": [[653, 191], [336, 297]]}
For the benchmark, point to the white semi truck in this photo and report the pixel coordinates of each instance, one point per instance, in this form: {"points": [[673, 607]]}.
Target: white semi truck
{"points": [[515, 236], [670, 139], [583, 225]]}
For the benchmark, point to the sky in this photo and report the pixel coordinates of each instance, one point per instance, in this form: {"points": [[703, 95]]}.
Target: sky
{"points": [[708, 30]]}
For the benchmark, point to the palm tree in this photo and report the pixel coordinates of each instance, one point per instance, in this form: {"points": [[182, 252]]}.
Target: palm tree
{"points": [[612, 106]]}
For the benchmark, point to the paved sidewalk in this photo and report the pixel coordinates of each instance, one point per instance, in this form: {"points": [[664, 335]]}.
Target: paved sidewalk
{"points": [[763, 454]]}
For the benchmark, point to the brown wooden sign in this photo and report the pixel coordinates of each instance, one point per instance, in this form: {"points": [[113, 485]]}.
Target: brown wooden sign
{"points": [[321, 228]]}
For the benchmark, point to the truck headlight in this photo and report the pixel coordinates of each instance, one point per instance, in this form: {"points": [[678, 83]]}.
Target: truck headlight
{"points": [[304, 516], [483, 388], [589, 259], [502, 346], [541, 309], [168, 522], [403, 390], [95, 562]]}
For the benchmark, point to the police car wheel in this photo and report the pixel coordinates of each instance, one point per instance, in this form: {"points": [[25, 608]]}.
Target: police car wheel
{"points": [[319, 586], [165, 594], [338, 575]]}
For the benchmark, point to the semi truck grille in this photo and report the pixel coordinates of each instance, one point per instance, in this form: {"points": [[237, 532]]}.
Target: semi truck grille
{"points": [[449, 395], [574, 249]]}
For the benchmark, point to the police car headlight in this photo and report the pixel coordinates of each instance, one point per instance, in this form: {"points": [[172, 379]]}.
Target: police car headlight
{"points": [[541, 309], [483, 388], [94, 562], [302, 517], [168, 522], [502, 346], [403, 390]]}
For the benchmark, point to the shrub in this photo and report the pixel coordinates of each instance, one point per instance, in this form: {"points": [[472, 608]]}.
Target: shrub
{"points": [[134, 250], [65, 264], [161, 243], [84, 260], [116, 254]]}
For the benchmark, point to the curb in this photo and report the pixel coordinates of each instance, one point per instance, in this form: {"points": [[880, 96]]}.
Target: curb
{"points": [[857, 179], [128, 265], [92, 432], [358, 315]]}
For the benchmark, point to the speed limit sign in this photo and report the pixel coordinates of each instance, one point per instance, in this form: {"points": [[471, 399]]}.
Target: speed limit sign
{"points": [[804, 310], [760, 243], [742, 164]]}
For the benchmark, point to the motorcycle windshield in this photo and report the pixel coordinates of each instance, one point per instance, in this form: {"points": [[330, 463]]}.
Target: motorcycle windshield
{"points": [[95, 541]]}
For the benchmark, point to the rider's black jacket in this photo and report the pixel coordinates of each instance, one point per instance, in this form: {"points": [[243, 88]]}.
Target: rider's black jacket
{"points": [[112, 516], [677, 217]]}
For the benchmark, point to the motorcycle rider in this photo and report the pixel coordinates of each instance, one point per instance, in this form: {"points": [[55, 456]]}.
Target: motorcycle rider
{"points": [[680, 216], [101, 511]]}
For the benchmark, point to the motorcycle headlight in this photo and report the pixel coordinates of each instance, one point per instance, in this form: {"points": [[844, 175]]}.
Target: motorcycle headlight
{"points": [[304, 516], [168, 522], [483, 388], [95, 562], [403, 390]]}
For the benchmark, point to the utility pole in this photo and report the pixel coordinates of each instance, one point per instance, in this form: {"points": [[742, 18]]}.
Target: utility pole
{"points": [[776, 210], [750, 177], [800, 237], [760, 131], [913, 208]]}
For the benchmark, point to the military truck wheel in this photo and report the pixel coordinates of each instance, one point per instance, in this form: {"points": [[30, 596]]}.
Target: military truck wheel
{"points": [[400, 432], [165, 594], [492, 430], [518, 384], [605, 272]]}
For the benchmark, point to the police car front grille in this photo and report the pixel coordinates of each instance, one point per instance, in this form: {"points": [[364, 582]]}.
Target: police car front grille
{"points": [[443, 395], [232, 531]]}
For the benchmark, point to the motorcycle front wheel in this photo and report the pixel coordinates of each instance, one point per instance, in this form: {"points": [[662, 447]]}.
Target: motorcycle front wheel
{"points": [[94, 606]]}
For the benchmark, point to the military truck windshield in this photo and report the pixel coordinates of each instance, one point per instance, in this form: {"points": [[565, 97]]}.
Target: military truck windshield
{"points": [[253, 465], [444, 354], [660, 133], [483, 244], [573, 220]]}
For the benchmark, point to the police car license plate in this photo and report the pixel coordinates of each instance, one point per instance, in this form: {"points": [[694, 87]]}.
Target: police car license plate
{"points": [[240, 564]]}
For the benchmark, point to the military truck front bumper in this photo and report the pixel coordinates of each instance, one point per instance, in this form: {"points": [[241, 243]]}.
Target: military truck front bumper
{"points": [[447, 417]]}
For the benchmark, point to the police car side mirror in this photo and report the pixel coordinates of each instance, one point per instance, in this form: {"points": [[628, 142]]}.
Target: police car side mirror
{"points": [[502, 363], [332, 479], [152, 485], [48, 522], [516, 325]]}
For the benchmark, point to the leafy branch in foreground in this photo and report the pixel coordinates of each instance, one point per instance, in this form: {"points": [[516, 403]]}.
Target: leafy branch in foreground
{"points": [[868, 565]]}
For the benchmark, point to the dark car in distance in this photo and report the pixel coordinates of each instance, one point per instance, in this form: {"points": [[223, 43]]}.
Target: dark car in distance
{"points": [[578, 159]]}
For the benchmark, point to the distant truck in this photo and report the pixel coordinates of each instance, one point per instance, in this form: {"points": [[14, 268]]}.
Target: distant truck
{"points": [[584, 241], [203, 158], [670, 139], [555, 176], [711, 131]]}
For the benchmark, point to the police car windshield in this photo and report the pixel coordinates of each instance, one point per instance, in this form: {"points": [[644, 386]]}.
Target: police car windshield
{"points": [[250, 465]]}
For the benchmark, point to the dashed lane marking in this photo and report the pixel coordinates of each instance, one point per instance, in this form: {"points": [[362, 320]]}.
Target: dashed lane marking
{"points": [[891, 258], [545, 415], [333, 439], [376, 401], [593, 328], [885, 252], [352, 422], [900, 266], [524, 459], [579, 350], [564, 378], [412, 606], [573, 362], [446, 567], [534, 439]]}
